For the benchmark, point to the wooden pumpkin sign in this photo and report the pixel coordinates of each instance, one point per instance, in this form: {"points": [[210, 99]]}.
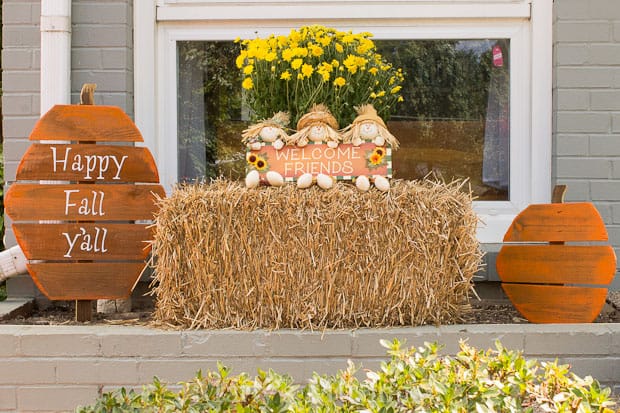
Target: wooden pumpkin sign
{"points": [[78, 228], [549, 281]]}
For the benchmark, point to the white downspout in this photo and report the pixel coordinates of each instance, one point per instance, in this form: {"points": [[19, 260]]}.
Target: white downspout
{"points": [[55, 89]]}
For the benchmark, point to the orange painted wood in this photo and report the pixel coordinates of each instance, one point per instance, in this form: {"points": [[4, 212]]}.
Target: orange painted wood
{"points": [[86, 123], [558, 222], [86, 281], [556, 304], [107, 242], [556, 264], [124, 202], [81, 162]]}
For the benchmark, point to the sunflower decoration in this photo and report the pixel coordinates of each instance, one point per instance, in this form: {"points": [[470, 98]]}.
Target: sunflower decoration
{"points": [[318, 126], [258, 162], [272, 130], [376, 157], [368, 127]]}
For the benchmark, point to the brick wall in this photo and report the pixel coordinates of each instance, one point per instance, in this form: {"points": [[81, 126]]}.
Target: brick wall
{"points": [[55, 369], [587, 106], [102, 46]]}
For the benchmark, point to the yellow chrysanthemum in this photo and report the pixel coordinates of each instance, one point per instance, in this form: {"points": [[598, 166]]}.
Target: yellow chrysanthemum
{"points": [[396, 89], [381, 94], [240, 59], [401, 99], [287, 55], [248, 69], [271, 56], [340, 81], [317, 51], [373, 71], [307, 70], [285, 75], [339, 48], [351, 64], [247, 83], [296, 64]]}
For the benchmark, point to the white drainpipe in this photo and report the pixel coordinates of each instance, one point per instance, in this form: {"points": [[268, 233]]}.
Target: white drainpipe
{"points": [[55, 89]]}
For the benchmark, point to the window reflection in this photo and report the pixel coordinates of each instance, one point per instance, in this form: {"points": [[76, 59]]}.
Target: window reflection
{"points": [[454, 122]]}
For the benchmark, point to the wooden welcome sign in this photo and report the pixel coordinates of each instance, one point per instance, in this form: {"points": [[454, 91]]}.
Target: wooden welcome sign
{"points": [[344, 162], [79, 231]]}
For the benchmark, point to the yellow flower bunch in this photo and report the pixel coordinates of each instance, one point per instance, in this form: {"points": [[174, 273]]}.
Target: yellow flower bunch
{"points": [[314, 65]]}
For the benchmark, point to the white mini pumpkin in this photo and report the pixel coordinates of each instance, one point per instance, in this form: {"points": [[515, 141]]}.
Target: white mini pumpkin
{"points": [[304, 181], [324, 181], [382, 183], [362, 183], [252, 179], [274, 178]]}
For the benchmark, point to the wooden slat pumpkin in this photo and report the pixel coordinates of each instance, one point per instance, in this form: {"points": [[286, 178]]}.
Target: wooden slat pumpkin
{"points": [[77, 228], [548, 281]]}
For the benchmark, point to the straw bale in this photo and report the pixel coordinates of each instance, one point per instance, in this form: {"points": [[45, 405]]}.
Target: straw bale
{"points": [[230, 257]]}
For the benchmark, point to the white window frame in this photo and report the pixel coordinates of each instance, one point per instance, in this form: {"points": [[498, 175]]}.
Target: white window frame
{"points": [[528, 23]]}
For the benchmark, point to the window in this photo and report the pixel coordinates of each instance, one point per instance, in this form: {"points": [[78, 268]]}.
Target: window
{"points": [[471, 104]]}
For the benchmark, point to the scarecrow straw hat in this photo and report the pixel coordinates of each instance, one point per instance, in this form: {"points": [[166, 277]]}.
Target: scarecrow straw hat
{"points": [[278, 120], [318, 113], [368, 112]]}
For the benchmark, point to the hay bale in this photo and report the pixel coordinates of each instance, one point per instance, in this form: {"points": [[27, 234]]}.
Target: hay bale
{"points": [[226, 256]]}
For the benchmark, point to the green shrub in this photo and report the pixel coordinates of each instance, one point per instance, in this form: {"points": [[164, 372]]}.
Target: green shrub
{"points": [[413, 380]]}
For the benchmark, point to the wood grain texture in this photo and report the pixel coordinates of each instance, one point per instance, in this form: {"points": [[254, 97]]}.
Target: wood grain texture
{"points": [[87, 163], [558, 222], [88, 202], [86, 123], [65, 242], [556, 304], [86, 281], [556, 264]]}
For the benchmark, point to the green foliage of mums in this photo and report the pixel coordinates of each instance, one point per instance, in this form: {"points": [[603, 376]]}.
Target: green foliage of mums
{"points": [[413, 380]]}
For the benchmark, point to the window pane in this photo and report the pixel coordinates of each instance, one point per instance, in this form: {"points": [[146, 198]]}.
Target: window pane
{"points": [[209, 111], [454, 121]]}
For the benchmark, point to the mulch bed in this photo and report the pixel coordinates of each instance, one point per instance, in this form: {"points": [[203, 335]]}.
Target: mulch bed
{"points": [[484, 311]]}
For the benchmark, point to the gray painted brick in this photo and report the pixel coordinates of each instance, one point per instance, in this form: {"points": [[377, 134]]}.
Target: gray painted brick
{"points": [[8, 398], [20, 13], [219, 344], [20, 36], [605, 190], [578, 189], [572, 99], [60, 342], [615, 122], [571, 145], [601, 368], [14, 149], [616, 213], [21, 82], [604, 54], [107, 81], [97, 371], [571, 31], [16, 105], [33, 371], [571, 54], [152, 344], [55, 398], [604, 9], [571, 122], [17, 59], [18, 127], [86, 58], [617, 31], [583, 168], [10, 168], [608, 100], [605, 145], [93, 13], [604, 208], [8, 345], [614, 234], [615, 166], [585, 77], [116, 58], [172, 371], [308, 344], [100, 36], [571, 9]]}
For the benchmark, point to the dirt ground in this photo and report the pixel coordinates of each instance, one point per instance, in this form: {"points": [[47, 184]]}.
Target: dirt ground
{"points": [[484, 311]]}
